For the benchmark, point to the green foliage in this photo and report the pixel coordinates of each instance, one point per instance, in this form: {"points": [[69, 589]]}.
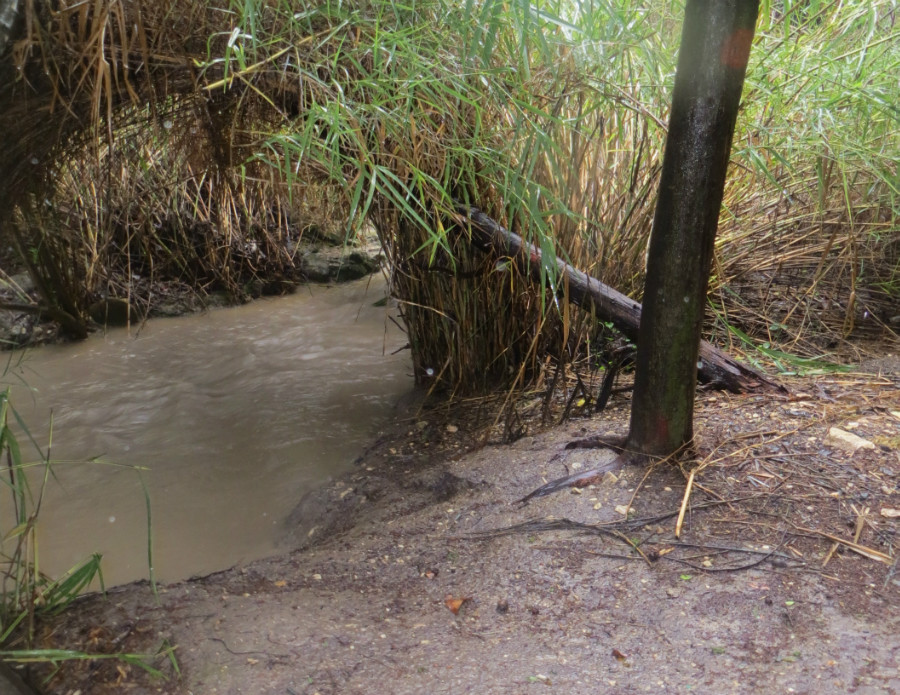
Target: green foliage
{"points": [[26, 593], [549, 115]]}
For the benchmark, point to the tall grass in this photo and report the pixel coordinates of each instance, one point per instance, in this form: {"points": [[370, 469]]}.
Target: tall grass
{"points": [[24, 590], [27, 594], [209, 124]]}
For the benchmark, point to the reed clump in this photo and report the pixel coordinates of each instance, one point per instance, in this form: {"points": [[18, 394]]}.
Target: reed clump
{"points": [[184, 139]]}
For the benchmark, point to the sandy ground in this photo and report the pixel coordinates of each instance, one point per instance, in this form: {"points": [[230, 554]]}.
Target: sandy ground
{"points": [[581, 591]]}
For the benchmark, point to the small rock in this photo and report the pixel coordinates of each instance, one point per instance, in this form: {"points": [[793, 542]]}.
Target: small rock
{"points": [[23, 282], [672, 592], [503, 606], [622, 509], [452, 429], [847, 442], [610, 478]]}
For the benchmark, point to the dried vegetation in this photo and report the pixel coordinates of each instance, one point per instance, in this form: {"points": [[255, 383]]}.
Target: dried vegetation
{"points": [[196, 141]]}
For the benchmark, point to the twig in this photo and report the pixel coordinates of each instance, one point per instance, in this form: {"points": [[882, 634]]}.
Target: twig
{"points": [[731, 549], [236, 653], [684, 503], [578, 480], [537, 525], [700, 568], [855, 547], [634, 546], [860, 522]]}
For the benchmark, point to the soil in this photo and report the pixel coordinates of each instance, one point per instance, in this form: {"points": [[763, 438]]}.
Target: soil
{"points": [[419, 572]]}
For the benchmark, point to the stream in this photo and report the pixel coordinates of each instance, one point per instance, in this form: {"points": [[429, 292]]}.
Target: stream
{"points": [[231, 417]]}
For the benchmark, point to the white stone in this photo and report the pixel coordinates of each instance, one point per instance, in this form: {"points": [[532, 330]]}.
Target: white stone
{"points": [[845, 441]]}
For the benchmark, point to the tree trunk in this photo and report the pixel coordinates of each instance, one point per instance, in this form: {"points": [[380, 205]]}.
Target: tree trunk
{"points": [[716, 367], [712, 62]]}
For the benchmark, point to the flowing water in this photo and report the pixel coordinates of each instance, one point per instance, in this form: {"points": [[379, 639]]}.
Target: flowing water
{"points": [[233, 414]]}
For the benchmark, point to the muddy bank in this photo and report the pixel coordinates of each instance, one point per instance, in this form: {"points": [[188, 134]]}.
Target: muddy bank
{"points": [[321, 255], [577, 592]]}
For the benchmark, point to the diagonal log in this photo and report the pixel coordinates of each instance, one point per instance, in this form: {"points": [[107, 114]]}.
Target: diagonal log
{"points": [[716, 368]]}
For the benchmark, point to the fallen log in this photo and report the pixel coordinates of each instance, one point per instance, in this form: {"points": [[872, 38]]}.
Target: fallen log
{"points": [[716, 368]]}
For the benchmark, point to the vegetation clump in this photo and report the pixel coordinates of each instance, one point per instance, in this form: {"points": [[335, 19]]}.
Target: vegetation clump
{"points": [[197, 141]]}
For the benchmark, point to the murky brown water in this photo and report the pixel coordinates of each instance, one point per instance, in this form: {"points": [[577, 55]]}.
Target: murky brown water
{"points": [[235, 414]]}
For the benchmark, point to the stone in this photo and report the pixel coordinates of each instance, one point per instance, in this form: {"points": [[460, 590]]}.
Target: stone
{"points": [[333, 265], [846, 441]]}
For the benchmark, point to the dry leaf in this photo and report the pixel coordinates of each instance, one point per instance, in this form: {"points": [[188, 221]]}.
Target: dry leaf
{"points": [[890, 513], [454, 604], [280, 583]]}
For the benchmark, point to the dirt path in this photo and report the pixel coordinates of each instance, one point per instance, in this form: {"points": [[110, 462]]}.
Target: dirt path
{"points": [[552, 606]]}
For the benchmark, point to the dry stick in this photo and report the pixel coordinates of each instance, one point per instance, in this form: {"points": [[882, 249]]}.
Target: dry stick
{"points": [[637, 489], [634, 546], [860, 523], [740, 568], [606, 528], [716, 366], [684, 503], [855, 547]]}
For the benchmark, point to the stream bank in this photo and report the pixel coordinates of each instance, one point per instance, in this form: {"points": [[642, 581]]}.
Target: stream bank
{"points": [[418, 568], [321, 255]]}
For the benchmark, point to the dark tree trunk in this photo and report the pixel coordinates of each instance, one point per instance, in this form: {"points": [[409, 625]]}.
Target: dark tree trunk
{"points": [[712, 62]]}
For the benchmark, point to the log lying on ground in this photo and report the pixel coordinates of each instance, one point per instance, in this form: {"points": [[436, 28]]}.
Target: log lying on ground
{"points": [[716, 368]]}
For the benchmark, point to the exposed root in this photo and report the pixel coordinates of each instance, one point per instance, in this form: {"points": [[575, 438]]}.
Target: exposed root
{"points": [[584, 479]]}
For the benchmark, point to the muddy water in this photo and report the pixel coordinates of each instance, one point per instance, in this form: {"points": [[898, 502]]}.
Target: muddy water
{"points": [[233, 414]]}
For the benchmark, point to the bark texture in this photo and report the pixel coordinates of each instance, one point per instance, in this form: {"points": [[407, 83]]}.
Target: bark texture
{"points": [[712, 62]]}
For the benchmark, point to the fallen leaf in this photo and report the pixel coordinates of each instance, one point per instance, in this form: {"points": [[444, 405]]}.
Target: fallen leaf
{"points": [[280, 583], [454, 604], [890, 513]]}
